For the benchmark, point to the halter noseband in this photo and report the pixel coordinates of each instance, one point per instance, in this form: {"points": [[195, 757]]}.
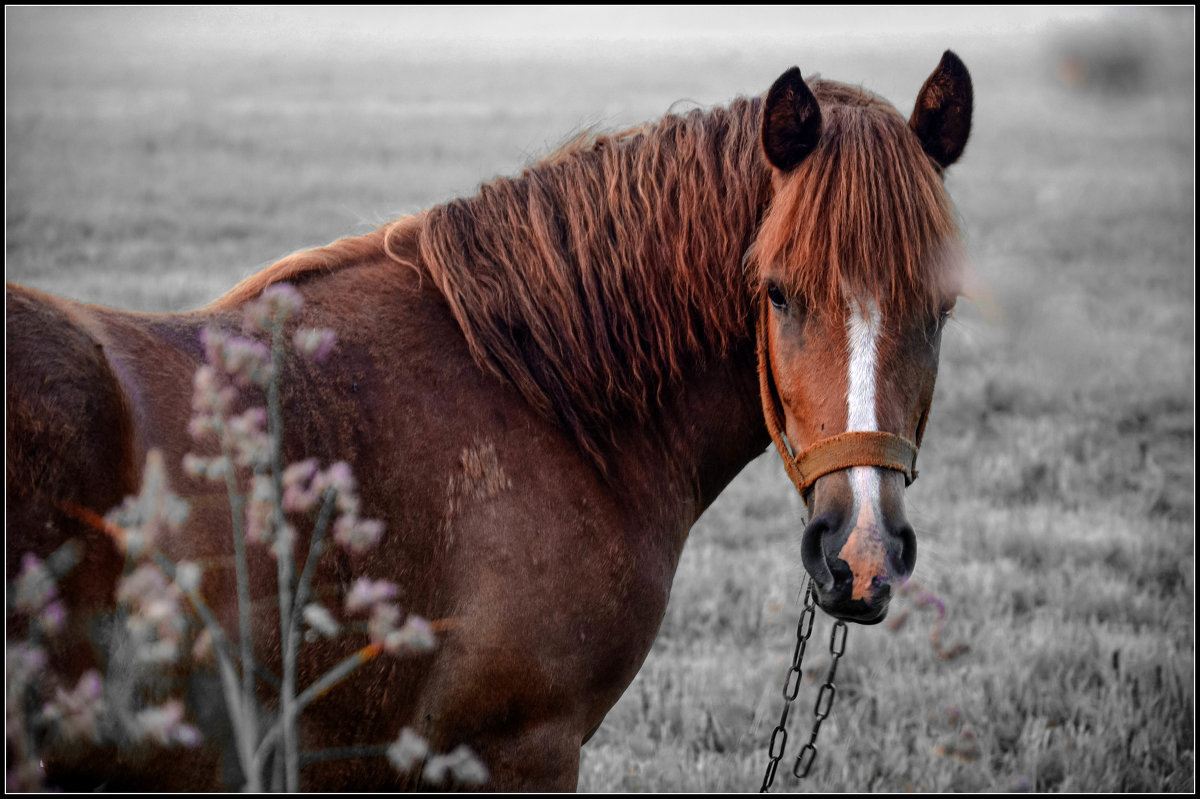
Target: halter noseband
{"points": [[858, 448]]}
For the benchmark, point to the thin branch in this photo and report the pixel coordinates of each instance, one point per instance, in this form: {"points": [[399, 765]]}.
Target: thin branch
{"points": [[238, 705], [312, 693], [289, 630], [315, 549]]}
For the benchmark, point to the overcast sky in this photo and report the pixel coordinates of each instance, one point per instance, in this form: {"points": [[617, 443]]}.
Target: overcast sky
{"points": [[540, 28], [649, 21]]}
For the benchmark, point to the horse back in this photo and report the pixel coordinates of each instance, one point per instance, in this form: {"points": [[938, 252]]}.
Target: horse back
{"points": [[70, 453]]}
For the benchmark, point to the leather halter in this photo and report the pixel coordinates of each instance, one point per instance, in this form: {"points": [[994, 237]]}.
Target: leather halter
{"points": [[857, 448]]}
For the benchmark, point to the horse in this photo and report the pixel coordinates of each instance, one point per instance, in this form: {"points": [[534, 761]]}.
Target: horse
{"points": [[540, 388]]}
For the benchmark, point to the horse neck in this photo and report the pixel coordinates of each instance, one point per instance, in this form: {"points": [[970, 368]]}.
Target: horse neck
{"points": [[710, 417], [607, 285], [705, 431]]}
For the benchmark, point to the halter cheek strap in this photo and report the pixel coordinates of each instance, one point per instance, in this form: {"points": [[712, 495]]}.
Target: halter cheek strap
{"points": [[858, 448]]}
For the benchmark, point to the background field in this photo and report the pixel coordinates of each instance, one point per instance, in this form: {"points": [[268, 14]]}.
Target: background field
{"points": [[154, 157]]}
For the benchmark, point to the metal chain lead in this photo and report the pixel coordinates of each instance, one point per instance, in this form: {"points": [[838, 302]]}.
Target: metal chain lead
{"points": [[837, 647], [791, 684], [791, 687]]}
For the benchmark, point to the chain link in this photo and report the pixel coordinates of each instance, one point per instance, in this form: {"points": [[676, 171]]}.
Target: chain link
{"points": [[837, 647], [791, 684], [791, 687]]}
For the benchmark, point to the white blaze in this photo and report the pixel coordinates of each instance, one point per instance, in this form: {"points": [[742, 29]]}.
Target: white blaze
{"points": [[862, 334]]}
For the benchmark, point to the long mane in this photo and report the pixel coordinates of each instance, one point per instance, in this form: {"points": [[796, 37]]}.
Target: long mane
{"points": [[594, 279], [591, 281]]}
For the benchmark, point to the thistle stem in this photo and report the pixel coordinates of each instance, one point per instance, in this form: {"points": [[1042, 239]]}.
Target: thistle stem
{"points": [[289, 630], [315, 549], [240, 706], [326, 681], [246, 728]]}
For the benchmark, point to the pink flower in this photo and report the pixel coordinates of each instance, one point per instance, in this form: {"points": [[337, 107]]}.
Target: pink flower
{"points": [[247, 361], [77, 712], [246, 436], [340, 477], [165, 726], [206, 385], [321, 620], [187, 576], [357, 535], [23, 665], [415, 636], [201, 426], [153, 511], [407, 751], [260, 510], [34, 586], [213, 341], [283, 298], [195, 465], [460, 764], [300, 492], [53, 617], [366, 593], [212, 395], [244, 359], [314, 344], [385, 617], [156, 620], [278, 303]]}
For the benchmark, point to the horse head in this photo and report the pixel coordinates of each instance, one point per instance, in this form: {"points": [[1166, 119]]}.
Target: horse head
{"points": [[857, 265]]}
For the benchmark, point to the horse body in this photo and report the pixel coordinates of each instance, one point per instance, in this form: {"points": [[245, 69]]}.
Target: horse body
{"points": [[569, 571], [538, 518]]}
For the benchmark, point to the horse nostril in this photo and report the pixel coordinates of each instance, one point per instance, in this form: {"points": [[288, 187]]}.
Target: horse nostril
{"points": [[812, 549], [843, 577], [908, 550]]}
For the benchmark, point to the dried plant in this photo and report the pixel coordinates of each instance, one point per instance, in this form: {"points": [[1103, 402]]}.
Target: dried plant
{"points": [[162, 615]]}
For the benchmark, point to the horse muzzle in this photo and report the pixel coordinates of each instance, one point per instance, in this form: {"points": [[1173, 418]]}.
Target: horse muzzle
{"points": [[855, 553]]}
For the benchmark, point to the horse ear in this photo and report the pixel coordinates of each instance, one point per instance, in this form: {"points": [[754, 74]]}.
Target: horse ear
{"points": [[791, 121], [942, 116]]}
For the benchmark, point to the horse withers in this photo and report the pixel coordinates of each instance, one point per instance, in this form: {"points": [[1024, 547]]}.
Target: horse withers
{"points": [[540, 388]]}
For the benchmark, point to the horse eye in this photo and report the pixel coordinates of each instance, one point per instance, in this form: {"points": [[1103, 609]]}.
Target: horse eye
{"points": [[944, 313], [776, 297]]}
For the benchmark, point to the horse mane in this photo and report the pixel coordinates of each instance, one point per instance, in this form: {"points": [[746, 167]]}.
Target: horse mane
{"points": [[305, 264], [865, 213], [595, 278], [599, 275]]}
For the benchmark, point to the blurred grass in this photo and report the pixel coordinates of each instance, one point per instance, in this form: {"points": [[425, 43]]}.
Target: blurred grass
{"points": [[1055, 513]]}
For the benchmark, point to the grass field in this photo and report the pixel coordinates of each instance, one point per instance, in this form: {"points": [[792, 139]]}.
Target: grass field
{"points": [[151, 162]]}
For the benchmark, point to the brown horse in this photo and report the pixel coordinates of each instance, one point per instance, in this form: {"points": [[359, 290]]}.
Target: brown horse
{"points": [[540, 389]]}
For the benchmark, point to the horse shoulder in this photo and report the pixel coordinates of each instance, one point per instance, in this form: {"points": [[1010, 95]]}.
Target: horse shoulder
{"points": [[547, 582]]}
